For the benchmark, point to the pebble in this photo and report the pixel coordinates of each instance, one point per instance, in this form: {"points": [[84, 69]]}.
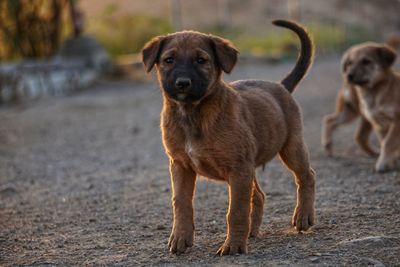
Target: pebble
{"points": [[160, 227]]}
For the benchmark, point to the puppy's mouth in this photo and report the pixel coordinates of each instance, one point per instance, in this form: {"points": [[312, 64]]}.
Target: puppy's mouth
{"points": [[181, 96], [186, 98]]}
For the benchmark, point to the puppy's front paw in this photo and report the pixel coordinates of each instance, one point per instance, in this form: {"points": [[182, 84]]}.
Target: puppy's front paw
{"points": [[233, 248], [179, 241], [303, 218]]}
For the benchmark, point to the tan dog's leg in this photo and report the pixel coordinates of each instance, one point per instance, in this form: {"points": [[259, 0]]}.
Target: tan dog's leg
{"points": [[295, 156], [344, 114], [257, 209], [362, 137], [390, 152], [183, 184], [238, 217]]}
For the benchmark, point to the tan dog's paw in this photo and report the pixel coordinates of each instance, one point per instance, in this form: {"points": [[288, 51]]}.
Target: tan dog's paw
{"points": [[385, 164], [303, 218], [382, 167], [180, 241], [232, 248], [328, 149]]}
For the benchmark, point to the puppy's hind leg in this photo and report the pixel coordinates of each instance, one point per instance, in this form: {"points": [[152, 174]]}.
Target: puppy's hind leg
{"points": [[257, 209], [345, 113], [295, 156]]}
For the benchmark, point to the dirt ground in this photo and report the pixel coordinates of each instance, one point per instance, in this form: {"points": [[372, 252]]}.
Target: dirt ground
{"points": [[84, 181]]}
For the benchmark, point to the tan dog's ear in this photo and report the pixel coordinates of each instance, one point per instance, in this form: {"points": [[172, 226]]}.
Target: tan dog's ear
{"points": [[345, 61], [226, 54], [151, 52], [386, 56]]}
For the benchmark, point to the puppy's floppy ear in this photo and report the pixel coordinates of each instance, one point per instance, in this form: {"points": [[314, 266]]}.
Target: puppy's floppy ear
{"points": [[225, 53], [151, 52], [386, 56]]}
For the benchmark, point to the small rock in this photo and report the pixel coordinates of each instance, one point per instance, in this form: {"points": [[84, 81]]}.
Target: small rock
{"points": [[373, 262], [165, 189], [382, 240], [8, 191], [160, 227], [135, 130]]}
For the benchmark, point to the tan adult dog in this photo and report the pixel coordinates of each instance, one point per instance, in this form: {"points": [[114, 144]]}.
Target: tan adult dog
{"points": [[348, 110], [223, 131], [367, 69]]}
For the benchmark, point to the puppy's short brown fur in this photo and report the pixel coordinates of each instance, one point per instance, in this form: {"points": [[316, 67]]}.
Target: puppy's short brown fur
{"points": [[376, 90], [223, 131]]}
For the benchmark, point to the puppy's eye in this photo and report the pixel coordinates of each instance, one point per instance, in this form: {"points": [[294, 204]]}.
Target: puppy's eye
{"points": [[201, 60], [169, 60], [366, 61]]}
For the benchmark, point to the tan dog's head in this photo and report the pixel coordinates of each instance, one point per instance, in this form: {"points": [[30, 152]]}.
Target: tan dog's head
{"points": [[189, 63], [367, 64]]}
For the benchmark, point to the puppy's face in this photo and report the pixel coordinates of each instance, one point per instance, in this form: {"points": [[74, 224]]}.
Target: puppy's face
{"points": [[188, 63], [367, 64]]}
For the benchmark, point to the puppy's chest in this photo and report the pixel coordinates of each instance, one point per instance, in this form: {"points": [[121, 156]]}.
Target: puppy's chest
{"points": [[203, 159]]}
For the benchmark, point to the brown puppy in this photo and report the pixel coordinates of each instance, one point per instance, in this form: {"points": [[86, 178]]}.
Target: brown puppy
{"points": [[367, 67], [347, 110], [223, 131]]}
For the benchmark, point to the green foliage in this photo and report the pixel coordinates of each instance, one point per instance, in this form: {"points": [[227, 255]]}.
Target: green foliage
{"points": [[31, 28], [327, 38], [125, 33]]}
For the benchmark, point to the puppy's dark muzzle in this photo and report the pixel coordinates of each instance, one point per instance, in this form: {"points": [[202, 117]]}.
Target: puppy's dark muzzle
{"points": [[183, 89], [183, 84]]}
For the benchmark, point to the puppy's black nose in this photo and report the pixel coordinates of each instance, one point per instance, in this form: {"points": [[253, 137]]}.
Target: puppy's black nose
{"points": [[350, 77], [183, 83]]}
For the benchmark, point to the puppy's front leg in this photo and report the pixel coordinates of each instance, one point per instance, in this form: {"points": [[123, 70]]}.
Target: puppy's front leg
{"points": [[183, 180], [238, 217]]}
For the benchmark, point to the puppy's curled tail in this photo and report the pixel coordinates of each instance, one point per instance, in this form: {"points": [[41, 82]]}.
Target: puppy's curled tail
{"points": [[305, 59]]}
